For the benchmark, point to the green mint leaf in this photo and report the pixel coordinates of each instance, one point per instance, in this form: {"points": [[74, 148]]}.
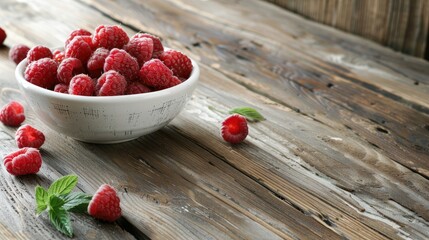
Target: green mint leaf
{"points": [[41, 199], [76, 202], [63, 185], [60, 218], [55, 202], [249, 113]]}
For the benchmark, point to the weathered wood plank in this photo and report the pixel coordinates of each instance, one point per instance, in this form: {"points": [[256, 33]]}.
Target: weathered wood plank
{"points": [[401, 25]]}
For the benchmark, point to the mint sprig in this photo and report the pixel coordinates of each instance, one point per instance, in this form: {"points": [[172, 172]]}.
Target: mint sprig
{"points": [[59, 200], [249, 113]]}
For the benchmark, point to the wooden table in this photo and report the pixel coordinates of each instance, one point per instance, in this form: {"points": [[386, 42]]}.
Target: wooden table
{"points": [[343, 152]]}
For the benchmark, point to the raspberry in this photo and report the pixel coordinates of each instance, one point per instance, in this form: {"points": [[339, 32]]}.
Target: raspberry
{"points": [[140, 48], [173, 82], [105, 204], [61, 88], [111, 83], [81, 85], [68, 68], [38, 52], [136, 88], [234, 129], [58, 56], [12, 114], [178, 62], [157, 45], [2, 35], [79, 48], [87, 39], [110, 37], [155, 74], [77, 32], [42, 73], [96, 62], [122, 62], [27, 136], [24, 161], [18, 52]]}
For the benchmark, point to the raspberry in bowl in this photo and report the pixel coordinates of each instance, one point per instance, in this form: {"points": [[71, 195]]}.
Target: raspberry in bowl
{"points": [[107, 104]]}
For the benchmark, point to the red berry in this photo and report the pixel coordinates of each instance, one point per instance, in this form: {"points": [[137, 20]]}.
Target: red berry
{"points": [[173, 82], [178, 62], [77, 32], [12, 114], [79, 48], [157, 45], [136, 88], [27, 136], [111, 83], [68, 68], [2, 35], [18, 52], [42, 73], [105, 204], [61, 88], [38, 52], [122, 62], [96, 62], [87, 39], [234, 129], [140, 48], [58, 56], [24, 161], [110, 37], [81, 85], [155, 74]]}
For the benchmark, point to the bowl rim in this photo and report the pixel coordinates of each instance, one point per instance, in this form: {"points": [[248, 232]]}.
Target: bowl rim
{"points": [[188, 83]]}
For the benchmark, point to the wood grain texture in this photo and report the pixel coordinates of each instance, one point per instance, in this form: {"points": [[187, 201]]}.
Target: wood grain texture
{"points": [[402, 25], [339, 157]]}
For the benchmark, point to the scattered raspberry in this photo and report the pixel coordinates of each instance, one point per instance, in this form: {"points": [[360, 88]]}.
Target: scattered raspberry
{"points": [[68, 68], [2, 35], [24, 161], [27, 136], [234, 129], [157, 45], [12, 114], [155, 74], [110, 37], [79, 48], [58, 56], [61, 88], [96, 62], [136, 88], [18, 52], [38, 52], [77, 32], [122, 62], [140, 48], [81, 85], [42, 73], [111, 83], [105, 204], [178, 62]]}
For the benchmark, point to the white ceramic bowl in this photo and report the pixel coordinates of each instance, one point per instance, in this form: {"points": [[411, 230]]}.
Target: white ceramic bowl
{"points": [[110, 119]]}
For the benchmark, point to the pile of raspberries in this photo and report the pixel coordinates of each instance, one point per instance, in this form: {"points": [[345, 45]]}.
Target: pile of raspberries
{"points": [[104, 63]]}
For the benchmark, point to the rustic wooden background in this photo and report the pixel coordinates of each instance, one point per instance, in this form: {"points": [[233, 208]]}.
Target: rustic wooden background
{"points": [[400, 24], [343, 154]]}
